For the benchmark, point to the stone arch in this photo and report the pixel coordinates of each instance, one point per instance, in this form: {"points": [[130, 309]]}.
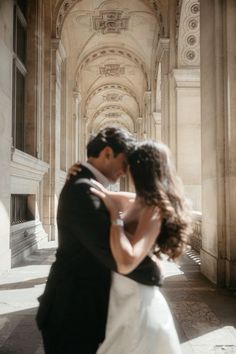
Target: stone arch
{"points": [[111, 86], [64, 6], [113, 107], [107, 51]]}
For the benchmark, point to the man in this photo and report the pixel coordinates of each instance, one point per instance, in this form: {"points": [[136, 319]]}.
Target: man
{"points": [[73, 309]]}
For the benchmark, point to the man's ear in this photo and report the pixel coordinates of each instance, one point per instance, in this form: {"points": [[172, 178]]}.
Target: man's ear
{"points": [[107, 152]]}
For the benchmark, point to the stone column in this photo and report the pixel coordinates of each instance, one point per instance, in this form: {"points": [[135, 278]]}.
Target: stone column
{"points": [[52, 137], [83, 138], [148, 113], [6, 27], [77, 136], [157, 125], [231, 144], [64, 116], [169, 133], [139, 129], [218, 83], [163, 60], [188, 132], [33, 78]]}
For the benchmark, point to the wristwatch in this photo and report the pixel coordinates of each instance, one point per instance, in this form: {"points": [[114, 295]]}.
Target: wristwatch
{"points": [[117, 222]]}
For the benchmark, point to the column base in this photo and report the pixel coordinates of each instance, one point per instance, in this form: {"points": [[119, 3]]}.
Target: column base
{"points": [[231, 274], [213, 268], [5, 261]]}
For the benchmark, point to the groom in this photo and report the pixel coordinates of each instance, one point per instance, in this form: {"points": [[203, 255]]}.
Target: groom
{"points": [[73, 309]]}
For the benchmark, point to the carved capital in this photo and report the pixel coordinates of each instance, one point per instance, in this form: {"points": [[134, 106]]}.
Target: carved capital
{"points": [[77, 95], [157, 117]]}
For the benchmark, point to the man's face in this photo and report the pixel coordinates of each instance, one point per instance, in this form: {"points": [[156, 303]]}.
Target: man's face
{"points": [[116, 166]]}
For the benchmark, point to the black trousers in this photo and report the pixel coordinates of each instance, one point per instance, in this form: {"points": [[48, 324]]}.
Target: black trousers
{"points": [[57, 342]]}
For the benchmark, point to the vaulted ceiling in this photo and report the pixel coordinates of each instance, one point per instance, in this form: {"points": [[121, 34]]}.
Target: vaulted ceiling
{"points": [[109, 49]]}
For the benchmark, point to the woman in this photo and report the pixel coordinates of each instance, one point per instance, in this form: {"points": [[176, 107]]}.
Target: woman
{"points": [[139, 320]]}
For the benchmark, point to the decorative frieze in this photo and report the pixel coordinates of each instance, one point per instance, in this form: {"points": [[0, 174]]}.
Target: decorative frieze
{"points": [[112, 115], [110, 21], [112, 70], [115, 97], [188, 33]]}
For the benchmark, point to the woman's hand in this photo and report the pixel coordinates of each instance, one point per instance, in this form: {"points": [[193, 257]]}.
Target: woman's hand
{"points": [[106, 197], [73, 170]]}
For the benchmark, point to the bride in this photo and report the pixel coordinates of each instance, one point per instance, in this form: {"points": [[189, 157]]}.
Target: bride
{"points": [[156, 220]]}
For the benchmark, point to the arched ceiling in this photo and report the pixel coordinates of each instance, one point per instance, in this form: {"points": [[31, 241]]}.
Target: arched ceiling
{"points": [[109, 48]]}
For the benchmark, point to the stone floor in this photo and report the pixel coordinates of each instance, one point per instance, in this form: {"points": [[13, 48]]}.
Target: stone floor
{"points": [[205, 316]]}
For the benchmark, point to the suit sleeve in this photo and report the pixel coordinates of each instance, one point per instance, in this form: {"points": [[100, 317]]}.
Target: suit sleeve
{"points": [[87, 220]]}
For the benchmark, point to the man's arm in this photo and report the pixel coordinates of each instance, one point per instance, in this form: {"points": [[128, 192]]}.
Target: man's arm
{"points": [[90, 224]]}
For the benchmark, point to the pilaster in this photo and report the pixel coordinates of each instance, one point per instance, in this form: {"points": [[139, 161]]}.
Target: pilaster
{"points": [[188, 131], [6, 45], [52, 180], [76, 117], [214, 81]]}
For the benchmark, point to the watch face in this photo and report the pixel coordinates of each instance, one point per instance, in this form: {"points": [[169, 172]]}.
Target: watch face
{"points": [[118, 222]]}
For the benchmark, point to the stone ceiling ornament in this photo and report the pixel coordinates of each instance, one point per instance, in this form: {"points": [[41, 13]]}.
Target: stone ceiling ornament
{"points": [[112, 70], [112, 97], [110, 21], [64, 6]]}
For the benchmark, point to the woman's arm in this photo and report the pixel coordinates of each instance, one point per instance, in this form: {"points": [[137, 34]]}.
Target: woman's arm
{"points": [[128, 254], [123, 200]]}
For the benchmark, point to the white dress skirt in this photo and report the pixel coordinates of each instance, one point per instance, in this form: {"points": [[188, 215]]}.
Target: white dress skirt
{"points": [[139, 320]]}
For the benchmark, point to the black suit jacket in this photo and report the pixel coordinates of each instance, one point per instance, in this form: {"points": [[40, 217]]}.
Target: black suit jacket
{"points": [[76, 297]]}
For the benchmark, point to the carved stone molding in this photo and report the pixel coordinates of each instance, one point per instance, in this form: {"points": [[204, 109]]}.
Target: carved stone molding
{"points": [[112, 97], [110, 21], [77, 95], [61, 14], [157, 117], [112, 70], [113, 115], [124, 91], [111, 109], [188, 39], [119, 87]]}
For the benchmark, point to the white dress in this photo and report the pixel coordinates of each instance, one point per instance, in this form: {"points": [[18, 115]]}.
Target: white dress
{"points": [[139, 320]]}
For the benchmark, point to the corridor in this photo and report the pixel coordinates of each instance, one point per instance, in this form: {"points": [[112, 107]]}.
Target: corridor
{"points": [[205, 316]]}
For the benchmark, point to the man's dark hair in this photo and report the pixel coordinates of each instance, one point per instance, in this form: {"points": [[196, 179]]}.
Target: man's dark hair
{"points": [[119, 140]]}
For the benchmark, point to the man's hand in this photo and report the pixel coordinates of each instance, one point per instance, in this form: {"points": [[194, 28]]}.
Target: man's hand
{"points": [[73, 170], [106, 197]]}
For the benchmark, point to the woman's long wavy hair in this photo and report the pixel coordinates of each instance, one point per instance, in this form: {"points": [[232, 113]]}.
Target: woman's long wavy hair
{"points": [[156, 183]]}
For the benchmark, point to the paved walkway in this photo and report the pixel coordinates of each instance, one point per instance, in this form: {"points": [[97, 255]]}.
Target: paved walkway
{"points": [[205, 316]]}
